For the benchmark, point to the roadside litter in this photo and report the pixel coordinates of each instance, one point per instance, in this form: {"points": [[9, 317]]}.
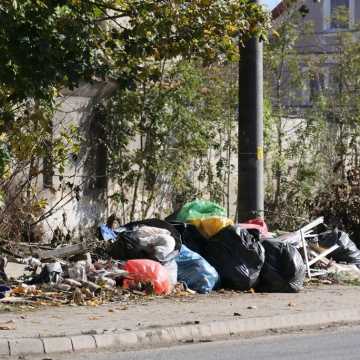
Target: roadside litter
{"points": [[195, 271], [283, 270], [147, 273], [199, 250], [237, 256]]}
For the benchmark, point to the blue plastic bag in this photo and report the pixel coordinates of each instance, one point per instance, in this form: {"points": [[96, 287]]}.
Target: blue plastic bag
{"points": [[109, 234], [195, 271]]}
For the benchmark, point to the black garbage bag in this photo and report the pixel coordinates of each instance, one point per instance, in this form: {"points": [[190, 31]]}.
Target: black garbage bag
{"points": [[127, 245], [237, 257], [283, 270], [347, 251], [190, 236]]}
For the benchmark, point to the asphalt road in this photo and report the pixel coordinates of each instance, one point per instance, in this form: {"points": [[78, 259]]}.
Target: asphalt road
{"points": [[341, 343]]}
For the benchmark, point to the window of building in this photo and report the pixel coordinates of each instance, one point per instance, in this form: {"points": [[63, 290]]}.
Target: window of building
{"points": [[338, 14], [316, 85]]}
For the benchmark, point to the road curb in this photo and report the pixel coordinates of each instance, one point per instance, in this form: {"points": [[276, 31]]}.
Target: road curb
{"points": [[176, 334]]}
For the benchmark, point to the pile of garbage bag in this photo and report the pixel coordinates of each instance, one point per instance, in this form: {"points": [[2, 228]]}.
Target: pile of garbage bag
{"points": [[210, 251], [198, 247]]}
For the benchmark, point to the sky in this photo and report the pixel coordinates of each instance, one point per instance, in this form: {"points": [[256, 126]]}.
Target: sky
{"points": [[271, 3]]}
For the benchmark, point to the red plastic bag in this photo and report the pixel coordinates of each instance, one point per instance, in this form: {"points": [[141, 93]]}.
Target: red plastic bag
{"points": [[147, 271], [258, 224]]}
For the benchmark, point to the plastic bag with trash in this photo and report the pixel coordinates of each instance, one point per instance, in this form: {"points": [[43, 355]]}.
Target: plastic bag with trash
{"points": [[200, 209], [257, 225], [156, 241], [210, 226], [107, 233], [147, 272], [195, 271], [283, 270], [237, 257], [190, 236], [147, 239]]}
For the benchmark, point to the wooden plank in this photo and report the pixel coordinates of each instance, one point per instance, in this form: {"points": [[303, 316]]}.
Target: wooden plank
{"points": [[64, 251], [323, 254]]}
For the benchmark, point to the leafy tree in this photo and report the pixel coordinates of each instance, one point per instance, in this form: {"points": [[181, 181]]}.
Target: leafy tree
{"points": [[283, 80], [315, 146], [50, 45], [172, 138]]}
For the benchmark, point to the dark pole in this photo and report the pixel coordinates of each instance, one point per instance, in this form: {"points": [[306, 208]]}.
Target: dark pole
{"points": [[250, 156]]}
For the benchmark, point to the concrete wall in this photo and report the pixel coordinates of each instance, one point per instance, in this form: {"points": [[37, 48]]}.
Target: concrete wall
{"points": [[73, 211]]}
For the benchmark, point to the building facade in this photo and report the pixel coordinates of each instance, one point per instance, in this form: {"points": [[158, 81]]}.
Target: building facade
{"points": [[327, 19]]}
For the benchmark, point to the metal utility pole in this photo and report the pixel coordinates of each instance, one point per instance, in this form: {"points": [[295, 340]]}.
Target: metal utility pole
{"points": [[250, 152]]}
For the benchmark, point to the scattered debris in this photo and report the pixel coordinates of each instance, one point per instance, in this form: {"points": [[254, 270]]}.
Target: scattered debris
{"points": [[62, 252], [201, 252]]}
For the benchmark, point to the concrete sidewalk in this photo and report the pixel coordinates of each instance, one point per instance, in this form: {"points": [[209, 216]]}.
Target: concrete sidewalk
{"points": [[174, 319]]}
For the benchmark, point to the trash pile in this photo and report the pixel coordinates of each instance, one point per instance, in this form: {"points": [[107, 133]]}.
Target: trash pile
{"points": [[197, 249]]}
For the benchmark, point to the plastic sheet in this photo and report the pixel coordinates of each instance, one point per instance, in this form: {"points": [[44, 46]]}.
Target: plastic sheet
{"points": [[146, 271], [195, 271]]}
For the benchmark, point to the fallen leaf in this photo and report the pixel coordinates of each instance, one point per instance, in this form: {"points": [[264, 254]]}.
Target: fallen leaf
{"points": [[237, 314], [252, 307]]}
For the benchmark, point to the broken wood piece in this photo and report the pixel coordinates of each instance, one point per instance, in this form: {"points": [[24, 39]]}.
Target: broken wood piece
{"points": [[324, 262], [91, 286], [73, 283], [64, 251], [323, 254]]}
